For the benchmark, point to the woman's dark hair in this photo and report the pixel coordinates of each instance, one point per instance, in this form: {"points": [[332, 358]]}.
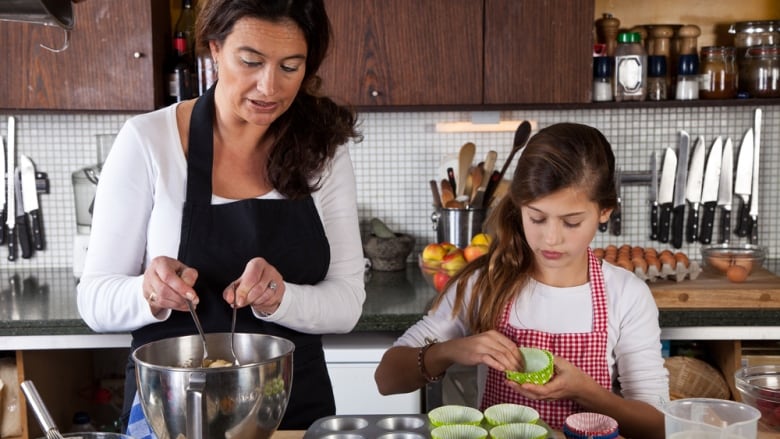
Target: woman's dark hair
{"points": [[311, 130]]}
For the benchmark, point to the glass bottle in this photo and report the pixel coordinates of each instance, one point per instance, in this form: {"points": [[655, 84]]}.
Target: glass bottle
{"points": [[180, 86], [602, 79], [185, 25], [687, 78], [719, 73], [760, 74], [630, 68], [656, 78]]}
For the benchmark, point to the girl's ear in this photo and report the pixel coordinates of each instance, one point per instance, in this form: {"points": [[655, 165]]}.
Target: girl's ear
{"points": [[604, 215]]}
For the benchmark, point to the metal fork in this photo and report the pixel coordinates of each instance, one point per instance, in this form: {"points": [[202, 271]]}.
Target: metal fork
{"points": [[233, 329], [41, 412], [200, 331]]}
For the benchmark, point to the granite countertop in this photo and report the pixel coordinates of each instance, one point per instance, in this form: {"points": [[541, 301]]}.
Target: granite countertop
{"points": [[43, 302]]}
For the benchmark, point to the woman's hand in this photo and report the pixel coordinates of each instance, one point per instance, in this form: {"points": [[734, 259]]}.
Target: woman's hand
{"points": [[490, 348], [568, 382], [167, 283], [260, 286]]}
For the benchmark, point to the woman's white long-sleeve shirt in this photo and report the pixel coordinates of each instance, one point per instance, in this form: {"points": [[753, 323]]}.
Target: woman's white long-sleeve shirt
{"points": [[138, 216], [633, 341]]}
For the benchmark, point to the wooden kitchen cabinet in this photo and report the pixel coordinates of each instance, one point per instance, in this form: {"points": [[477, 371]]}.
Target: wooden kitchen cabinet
{"points": [[114, 61], [459, 52]]}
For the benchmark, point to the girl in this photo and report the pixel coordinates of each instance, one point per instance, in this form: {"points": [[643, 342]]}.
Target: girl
{"points": [[541, 286]]}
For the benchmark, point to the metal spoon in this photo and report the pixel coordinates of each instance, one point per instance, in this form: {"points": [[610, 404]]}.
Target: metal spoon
{"points": [[233, 330], [203, 363]]}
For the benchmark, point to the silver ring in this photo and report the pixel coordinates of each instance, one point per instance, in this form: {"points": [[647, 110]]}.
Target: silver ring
{"points": [[152, 297], [272, 285]]}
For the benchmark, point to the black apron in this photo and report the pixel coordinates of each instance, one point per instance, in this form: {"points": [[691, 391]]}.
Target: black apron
{"points": [[218, 240]]}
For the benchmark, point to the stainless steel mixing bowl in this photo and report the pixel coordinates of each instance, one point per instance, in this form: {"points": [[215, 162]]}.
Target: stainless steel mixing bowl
{"points": [[180, 398]]}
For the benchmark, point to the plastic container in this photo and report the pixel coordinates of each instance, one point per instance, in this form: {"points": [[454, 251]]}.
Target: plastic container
{"points": [[630, 78], [759, 74], [719, 72], [706, 418]]}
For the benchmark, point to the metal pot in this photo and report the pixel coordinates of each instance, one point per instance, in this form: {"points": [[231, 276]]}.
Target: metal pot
{"points": [[47, 12], [246, 401], [458, 226]]}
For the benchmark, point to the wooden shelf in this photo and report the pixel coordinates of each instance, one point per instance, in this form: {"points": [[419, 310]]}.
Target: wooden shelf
{"points": [[713, 291]]}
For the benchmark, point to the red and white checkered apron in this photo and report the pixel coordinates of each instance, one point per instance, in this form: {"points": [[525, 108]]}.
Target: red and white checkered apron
{"points": [[585, 350]]}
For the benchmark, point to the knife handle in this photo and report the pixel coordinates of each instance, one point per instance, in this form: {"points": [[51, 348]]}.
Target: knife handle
{"points": [[743, 220], [692, 227], [2, 226], [37, 230], [451, 178], [23, 232], [725, 226], [664, 221], [654, 222], [615, 221], [603, 227], [754, 230], [678, 215], [11, 244], [707, 222]]}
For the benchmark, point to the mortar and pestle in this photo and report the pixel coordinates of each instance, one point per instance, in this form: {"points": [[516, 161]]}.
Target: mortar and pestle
{"points": [[386, 249]]}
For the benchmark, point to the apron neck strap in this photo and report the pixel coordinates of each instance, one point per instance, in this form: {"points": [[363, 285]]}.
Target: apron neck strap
{"points": [[200, 149]]}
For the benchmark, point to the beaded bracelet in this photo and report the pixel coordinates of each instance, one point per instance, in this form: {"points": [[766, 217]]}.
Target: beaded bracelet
{"points": [[421, 364]]}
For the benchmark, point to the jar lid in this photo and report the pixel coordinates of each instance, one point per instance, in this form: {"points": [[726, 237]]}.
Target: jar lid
{"points": [[758, 51], [755, 26], [629, 37], [656, 65], [688, 64], [602, 66]]}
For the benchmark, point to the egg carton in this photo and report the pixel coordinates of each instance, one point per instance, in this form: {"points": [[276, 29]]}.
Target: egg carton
{"points": [[678, 273], [370, 427]]}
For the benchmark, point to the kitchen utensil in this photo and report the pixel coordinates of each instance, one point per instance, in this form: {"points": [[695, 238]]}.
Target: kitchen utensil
{"points": [[616, 217], [522, 133], [46, 12], [370, 426], [754, 191], [458, 226], [41, 412], [22, 223], [653, 197], [721, 257], [709, 191], [725, 187], [30, 197], [10, 220], [465, 158], [435, 193], [2, 191], [453, 182], [759, 387], [743, 182], [476, 183], [447, 194], [206, 403], [233, 329], [709, 418], [487, 172], [666, 194], [200, 331], [693, 185], [678, 210]]}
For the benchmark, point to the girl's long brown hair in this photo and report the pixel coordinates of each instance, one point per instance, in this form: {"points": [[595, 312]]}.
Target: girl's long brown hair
{"points": [[557, 157]]}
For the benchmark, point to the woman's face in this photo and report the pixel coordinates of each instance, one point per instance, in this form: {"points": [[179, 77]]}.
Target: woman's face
{"points": [[261, 68], [559, 228]]}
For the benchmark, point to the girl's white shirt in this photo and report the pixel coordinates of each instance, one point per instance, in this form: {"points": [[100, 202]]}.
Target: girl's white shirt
{"points": [[138, 216], [633, 342]]}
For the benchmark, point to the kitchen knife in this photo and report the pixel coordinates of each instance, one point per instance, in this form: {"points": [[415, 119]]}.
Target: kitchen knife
{"points": [[22, 225], [693, 186], [754, 191], [30, 198], [653, 197], [616, 217], [709, 191], [743, 182], [666, 194], [10, 205], [2, 191], [678, 211], [725, 188]]}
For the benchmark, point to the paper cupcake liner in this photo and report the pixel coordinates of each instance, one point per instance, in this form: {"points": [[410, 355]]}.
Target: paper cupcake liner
{"points": [[500, 414], [518, 431], [591, 424], [459, 432], [454, 414], [538, 367]]}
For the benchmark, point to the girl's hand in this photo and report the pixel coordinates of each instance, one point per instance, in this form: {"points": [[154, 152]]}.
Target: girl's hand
{"points": [[567, 382], [490, 348], [259, 286], [167, 283]]}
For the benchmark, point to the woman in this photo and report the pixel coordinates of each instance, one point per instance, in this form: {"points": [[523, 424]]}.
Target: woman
{"points": [[541, 286], [245, 192]]}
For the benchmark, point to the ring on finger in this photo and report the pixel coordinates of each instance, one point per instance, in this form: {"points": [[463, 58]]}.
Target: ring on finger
{"points": [[152, 297], [272, 285]]}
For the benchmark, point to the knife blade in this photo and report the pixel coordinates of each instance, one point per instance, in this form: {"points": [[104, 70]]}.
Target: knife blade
{"points": [[743, 182], [693, 186], [616, 217], [22, 226], [30, 197], [653, 197], [725, 188], [2, 191], [709, 191], [678, 211], [754, 190], [10, 205], [666, 194]]}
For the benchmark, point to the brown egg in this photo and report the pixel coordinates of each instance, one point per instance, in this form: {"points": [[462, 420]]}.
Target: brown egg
{"points": [[720, 262], [667, 259], [611, 248], [637, 251], [745, 262], [654, 262], [625, 263], [610, 257], [681, 258], [737, 273], [599, 253], [640, 263], [650, 251]]}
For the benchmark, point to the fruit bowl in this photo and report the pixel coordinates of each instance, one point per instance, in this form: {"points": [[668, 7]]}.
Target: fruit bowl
{"points": [[736, 261], [436, 276], [759, 387]]}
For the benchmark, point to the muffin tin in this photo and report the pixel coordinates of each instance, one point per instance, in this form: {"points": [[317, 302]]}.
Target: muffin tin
{"points": [[370, 427]]}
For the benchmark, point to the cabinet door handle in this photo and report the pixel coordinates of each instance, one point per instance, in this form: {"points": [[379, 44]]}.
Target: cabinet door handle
{"points": [[375, 93], [138, 55]]}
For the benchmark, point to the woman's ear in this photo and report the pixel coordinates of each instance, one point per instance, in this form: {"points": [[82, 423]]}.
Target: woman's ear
{"points": [[604, 215]]}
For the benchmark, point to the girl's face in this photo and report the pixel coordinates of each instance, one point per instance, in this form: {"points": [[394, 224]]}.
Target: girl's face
{"points": [[261, 68], [559, 228]]}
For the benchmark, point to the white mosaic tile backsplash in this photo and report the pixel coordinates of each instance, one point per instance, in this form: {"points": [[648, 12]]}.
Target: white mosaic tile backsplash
{"points": [[401, 152]]}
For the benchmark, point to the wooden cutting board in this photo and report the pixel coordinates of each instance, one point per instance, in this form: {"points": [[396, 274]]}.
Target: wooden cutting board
{"points": [[713, 291]]}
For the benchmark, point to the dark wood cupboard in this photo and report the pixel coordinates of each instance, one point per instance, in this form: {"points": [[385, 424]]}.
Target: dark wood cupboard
{"points": [[114, 61]]}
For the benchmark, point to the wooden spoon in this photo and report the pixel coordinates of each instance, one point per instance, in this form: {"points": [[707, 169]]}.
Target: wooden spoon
{"points": [[446, 192], [465, 157], [522, 134]]}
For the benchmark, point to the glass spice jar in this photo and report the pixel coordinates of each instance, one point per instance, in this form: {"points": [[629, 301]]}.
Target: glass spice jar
{"points": [[719, 72], [759, 75]]}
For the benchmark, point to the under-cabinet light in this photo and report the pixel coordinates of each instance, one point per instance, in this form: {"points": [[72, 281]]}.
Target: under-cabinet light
{"points": [[482, 121]]}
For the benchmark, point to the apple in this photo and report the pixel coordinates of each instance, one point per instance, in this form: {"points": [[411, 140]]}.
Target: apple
{"points": [[454, 260], [448, 246], [473, 251], [481, 239], [433, 254], [440, 279]]}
